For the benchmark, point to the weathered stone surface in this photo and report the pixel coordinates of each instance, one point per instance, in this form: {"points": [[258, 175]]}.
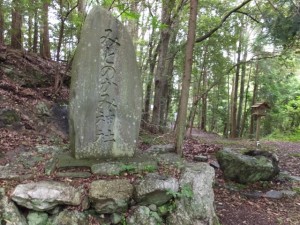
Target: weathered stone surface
{"points": [[37, 218], [198, 208], [69, 218], [154, 188], [161, 148], [115, 218], [9, 173], [106, 91], [273, 194], [107, 168], [9, 212], [45, 195], [109, 196], [170, 159], [76, 174], [142, 215], [244, 168]]}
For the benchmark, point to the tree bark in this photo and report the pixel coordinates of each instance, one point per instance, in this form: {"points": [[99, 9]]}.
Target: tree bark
{"points": [[180, 130], [255, 89], [35, 30], [1, 22], [234, 103], [160, 79], [45, 31], [16, 26], [242, 93]]}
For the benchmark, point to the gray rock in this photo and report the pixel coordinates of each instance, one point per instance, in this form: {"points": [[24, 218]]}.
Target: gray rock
{"points": [[37, 218], [170, 159], [74, 174], [107, 169], [9, 212], [295, 178], [196, 207], [245, 168], [115, 218], [45, 195], [274, 194], [288, 193], [69, 218], [106, 91], [154, 188], [109, 196], [161, 148], [142, 215], [152, 207], [9, 173], [42, 109]]}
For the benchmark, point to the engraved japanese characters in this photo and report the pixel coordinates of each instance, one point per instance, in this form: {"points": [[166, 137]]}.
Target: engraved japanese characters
{"points": [[106, 92]]}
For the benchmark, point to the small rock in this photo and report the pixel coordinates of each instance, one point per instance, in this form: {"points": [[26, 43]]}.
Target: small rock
{"points": [[9, 212], [214, 164], [45, 195], [273, 194], [143, 216], [152, 207], [106, 169], [69, 218], [109, 196], [161, 148], [74, 174], [115, 218], [37, 218], [154, 188]]}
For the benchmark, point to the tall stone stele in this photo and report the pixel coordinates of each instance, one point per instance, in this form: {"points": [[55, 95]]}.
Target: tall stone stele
{"points": [[106, 90]]}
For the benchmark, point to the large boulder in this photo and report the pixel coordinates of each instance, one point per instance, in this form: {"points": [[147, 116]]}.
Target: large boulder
{"points": [[109, 196], [46, 195], [247, 167], [195, 205], [9, 212], [154, 189]]}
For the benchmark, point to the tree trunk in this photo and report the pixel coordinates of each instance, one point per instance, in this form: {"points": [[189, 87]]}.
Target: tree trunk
{"points": [[35, 30], [45, 31], [255, 89], [245, 116], [1, 22], [180, 130], [16, 25], [204, 102], [234, 103], [160, 79], [242, 92]]}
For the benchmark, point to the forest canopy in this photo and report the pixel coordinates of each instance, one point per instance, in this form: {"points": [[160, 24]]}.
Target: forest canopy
{"points": [[243, 52]]}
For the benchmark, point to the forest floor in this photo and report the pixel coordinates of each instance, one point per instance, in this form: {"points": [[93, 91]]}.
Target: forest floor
{"points": [[235, 204]]}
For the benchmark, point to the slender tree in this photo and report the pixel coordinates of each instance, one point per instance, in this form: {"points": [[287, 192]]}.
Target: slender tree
{"points": [[16, 25], [188, 62], [45, 31]]}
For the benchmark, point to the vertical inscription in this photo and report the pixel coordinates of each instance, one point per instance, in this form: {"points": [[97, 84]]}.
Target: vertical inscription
{"points": [[106, 106]]}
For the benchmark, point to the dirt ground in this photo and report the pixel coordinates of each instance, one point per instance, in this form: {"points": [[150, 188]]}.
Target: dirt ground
{"points": [[235, 207]]}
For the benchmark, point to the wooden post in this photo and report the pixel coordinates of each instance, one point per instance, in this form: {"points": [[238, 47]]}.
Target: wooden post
{"points": [[257, 132]]}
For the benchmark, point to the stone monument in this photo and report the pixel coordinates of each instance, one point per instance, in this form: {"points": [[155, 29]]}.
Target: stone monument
{"points": [[106, 90]]}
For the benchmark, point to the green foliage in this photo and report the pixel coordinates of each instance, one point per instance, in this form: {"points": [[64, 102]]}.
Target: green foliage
{"points": [[293, 136], [185, 192], [128, 168], [149, 168], [296, 189]]}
